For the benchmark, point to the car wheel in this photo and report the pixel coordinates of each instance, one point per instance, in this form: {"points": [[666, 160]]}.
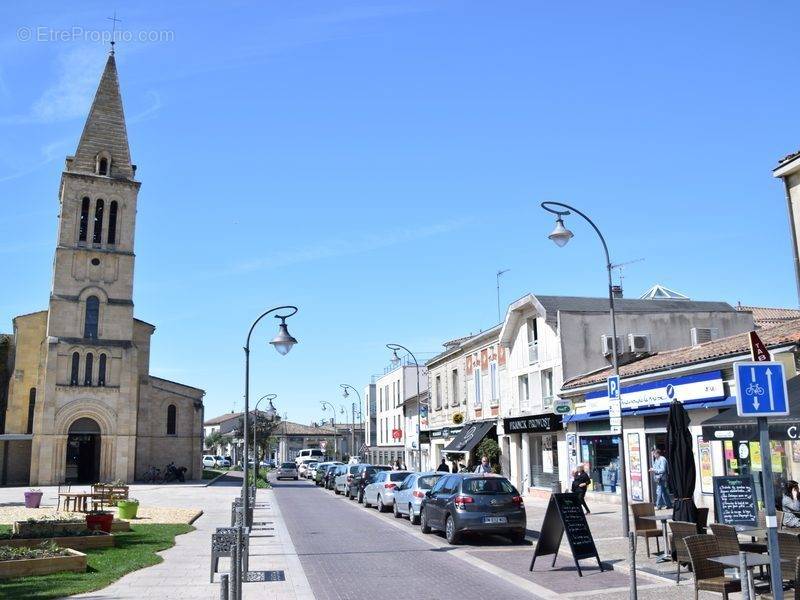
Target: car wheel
{"points": [[423, 522], [518, 537], [450, 532], [413, 519], [297, 479], [381, 507], [336, 490], [366, 504], [396, 511]]}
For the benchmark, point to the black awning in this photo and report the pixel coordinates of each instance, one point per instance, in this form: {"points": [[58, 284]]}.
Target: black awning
{"points": [[727, 425], [470, 436]]}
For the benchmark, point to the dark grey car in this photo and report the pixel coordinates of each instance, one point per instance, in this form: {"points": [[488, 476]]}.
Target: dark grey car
{"points": [[467, 502]]}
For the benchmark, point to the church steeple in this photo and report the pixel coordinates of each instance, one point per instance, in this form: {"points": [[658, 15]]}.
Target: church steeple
{"points": [[105, 136]]}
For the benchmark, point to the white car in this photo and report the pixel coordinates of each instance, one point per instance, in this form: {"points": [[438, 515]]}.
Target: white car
{"points": [[287, 470], [307, 469], [381, 491], [209, 460], [222, 461], [342, 481], [309, 454]]}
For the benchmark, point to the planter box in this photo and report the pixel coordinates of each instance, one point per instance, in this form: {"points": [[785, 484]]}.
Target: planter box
{"points": [[26, 529], [80, 542], [33, 499], [75, 562], [120, 526], [127, 509]]}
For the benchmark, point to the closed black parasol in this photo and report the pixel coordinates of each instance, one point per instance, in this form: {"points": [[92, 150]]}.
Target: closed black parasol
{"points": [[681, 474]]}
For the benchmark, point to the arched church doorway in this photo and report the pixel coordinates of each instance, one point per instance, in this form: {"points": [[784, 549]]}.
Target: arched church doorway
{"points": [[83, 452]]}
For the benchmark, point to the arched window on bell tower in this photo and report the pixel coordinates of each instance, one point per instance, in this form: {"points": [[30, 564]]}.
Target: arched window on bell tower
{"points": [[112, 222], [172, 418], [92, 317], [83, 230], [97, 237], [101, 370], [88, 368], [76, 363]]}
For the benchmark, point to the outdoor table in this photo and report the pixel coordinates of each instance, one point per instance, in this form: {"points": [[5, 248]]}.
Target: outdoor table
{"points": [[754, 559], [81, 499], [663, 518]]}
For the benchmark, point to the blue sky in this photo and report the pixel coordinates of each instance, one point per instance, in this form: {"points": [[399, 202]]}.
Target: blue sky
{"points": [[376, 163]]}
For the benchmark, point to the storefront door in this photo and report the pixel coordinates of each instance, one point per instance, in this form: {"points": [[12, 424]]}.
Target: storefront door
{"points": [[654, 440]]}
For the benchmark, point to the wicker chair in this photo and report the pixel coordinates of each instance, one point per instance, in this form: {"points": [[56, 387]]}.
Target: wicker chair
{"points": [[708, 575], [789, 548], [681, 530], [729, 540], [644, 527]]}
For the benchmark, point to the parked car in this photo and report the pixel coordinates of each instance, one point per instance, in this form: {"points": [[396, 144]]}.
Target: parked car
{"points": [[381, 491], [409, 495], [319, 473], [343, 479], [222, 461], [307, 468], [330, 475], [361, 478], [467, 502], [287, 470], [209, 460]]}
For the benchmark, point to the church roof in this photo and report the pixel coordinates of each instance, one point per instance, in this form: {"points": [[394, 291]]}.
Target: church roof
{"points": [[105, 129]]}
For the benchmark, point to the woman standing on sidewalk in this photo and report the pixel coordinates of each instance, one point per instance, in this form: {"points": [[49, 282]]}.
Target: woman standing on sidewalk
{"points": [[579, 484]]}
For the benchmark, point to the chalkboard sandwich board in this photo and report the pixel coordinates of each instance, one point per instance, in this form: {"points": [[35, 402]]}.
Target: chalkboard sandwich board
{"points": [[565, 515], [735, 500]]}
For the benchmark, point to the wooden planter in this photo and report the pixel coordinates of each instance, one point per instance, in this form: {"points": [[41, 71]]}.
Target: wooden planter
{"points": [[75, 562], [26, 529], [120, 526], [79, 542]]}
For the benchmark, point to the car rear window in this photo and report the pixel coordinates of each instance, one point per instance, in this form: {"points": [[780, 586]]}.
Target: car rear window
{"points": [[353, 470], [487, 485], [426, 483], [398, 475], [288, 466]]}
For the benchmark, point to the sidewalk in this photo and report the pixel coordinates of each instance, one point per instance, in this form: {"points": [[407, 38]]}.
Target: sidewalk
{"points": [[186, 567]]}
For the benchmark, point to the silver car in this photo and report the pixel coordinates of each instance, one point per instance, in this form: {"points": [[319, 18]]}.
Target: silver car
{"points": [[381, 491], [409, 495], [344, 475], [287, 470]]}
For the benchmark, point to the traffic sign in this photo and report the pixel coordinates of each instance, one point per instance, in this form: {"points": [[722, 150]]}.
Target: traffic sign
{"points": [[614, 406], [613, 387], [760, 389]]}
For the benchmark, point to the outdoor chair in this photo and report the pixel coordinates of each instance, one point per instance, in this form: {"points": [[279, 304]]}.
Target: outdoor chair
{"points": [[779, 517], [644, 527], [681, 530], [729, 540], [64, 488], [789, 548], [708, 575]]}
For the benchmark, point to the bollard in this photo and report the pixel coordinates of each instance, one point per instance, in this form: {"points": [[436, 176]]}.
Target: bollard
{"points": [[223, 588], [234, 594], [743, 578], [632, 559]]}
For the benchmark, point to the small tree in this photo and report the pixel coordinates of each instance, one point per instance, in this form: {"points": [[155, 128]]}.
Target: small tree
{"points": [[213, 440], [490, 449]]}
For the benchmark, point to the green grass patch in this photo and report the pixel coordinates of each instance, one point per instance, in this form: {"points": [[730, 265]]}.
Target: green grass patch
{"points": [[212, 473], [134, 550]]}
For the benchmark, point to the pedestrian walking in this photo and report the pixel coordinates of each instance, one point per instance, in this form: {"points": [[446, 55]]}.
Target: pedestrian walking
{"points": [[484, 467], [580, 483], [443, 466], [790, 505], [659, 472], [396, 466]]}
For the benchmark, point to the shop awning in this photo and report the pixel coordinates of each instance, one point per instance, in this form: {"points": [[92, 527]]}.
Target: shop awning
{"points": [[728, 425], [470, 436], [652, 410]]}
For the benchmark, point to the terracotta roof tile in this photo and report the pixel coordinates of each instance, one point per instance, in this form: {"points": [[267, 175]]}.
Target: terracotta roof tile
{"points": [[769, 316]]}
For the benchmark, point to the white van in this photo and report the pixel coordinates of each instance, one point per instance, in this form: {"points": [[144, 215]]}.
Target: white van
{"points": [[309, 454]]}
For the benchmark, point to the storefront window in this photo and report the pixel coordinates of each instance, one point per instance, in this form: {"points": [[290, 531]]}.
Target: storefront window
{"points": [[543, 460], [744, 458], [601, 455]]}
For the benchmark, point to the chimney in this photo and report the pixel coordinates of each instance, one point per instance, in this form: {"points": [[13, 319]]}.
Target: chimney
{"points": [[616, 291]]}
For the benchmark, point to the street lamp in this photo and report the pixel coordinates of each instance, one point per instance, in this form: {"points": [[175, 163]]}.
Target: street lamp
{"points": [[345, 394], [270, 415], [282, 342], [325, 403], [561, 235], [395, 362]]}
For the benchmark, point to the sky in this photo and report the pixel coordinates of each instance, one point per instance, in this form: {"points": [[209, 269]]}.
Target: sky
{"points": [[377, 162]]}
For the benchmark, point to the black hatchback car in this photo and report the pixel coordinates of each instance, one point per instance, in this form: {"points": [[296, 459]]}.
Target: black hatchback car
{"points": [[360, 479], [472, 502]]}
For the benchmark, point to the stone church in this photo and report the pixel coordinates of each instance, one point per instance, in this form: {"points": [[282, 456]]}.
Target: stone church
{"points": [[77, 401]]}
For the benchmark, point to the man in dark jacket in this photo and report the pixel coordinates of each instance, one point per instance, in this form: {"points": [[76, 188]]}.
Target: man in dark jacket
{"points": [[443, 466], [579, 485]]}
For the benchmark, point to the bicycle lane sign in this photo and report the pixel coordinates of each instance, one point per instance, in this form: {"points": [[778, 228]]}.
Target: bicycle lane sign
{"points": [[760, 389]]}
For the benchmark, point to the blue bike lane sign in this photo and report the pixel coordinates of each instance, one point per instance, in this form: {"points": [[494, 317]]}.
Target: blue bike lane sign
{"points": [[760, 389]]}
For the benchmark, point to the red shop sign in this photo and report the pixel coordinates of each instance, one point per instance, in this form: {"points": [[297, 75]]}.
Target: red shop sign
{"points": [[397, 434]]}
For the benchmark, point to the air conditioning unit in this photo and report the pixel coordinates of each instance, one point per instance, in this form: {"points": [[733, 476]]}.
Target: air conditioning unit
{"points": [[639, 343], [701, 335], [607, 349]]}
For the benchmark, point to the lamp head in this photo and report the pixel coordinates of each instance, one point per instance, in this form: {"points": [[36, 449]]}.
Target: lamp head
{"points": [[345, 393], [560, 235], [395, 360], [283, 340], [270, 412]]}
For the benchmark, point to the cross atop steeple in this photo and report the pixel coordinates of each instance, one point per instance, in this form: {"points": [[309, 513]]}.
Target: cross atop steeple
{"points": [[114, 20]]}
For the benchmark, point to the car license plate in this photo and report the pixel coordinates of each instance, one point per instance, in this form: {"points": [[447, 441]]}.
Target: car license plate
{"points": [[490, 520]]}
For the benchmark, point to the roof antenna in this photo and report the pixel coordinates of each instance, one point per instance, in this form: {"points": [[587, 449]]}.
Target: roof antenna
{"points": [[114, 20]]}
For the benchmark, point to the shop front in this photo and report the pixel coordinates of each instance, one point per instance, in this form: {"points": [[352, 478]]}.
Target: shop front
{"points": [[438, 439], [465, 442], [532, 442]]}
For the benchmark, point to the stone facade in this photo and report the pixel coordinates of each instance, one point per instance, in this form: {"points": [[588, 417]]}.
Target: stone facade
{"points": [[79, 383]]}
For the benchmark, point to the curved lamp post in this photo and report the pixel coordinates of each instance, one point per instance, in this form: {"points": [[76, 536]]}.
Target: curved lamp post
{"points": [[395, 362], [561, 235], [345, 394], [282, 342], [270, 414], [325, 404]]}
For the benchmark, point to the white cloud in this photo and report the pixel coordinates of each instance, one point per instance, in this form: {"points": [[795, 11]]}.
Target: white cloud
{"points": [[72, 93]]}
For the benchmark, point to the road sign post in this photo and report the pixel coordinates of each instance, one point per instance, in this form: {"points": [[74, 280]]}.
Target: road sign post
{"points": [[761, 392], [614, 406]]}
